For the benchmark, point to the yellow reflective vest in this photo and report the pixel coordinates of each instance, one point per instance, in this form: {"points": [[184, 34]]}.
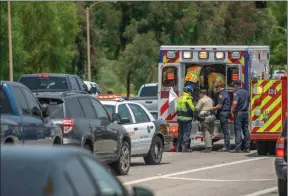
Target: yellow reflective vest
{"points": [[185, 107], [193, 74]]}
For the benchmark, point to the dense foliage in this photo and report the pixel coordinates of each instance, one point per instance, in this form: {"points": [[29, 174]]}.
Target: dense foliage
{"points": [[125, 36]]}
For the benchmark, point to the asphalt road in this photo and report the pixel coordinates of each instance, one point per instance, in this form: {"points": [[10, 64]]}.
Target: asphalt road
{"points": [[202, 174]]}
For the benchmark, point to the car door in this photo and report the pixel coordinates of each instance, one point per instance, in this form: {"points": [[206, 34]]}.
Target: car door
{"points": [[110, 134], [30, 124], [130, 127], [43, 130], [145, 127]]}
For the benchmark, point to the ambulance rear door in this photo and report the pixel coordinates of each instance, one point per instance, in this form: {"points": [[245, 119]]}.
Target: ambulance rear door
{"points": [[266, 109]]}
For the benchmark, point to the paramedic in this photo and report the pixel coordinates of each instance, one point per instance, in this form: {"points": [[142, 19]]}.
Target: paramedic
{"points": [[206, 119], [239, 109], [185, 110], [223, 108]]}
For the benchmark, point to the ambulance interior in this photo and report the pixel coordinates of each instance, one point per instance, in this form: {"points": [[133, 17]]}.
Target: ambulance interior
{"points": [[230, 73]]}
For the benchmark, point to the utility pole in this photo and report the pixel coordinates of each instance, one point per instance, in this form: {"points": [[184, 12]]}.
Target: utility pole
{"points": [[88, 45], [10, 43]]}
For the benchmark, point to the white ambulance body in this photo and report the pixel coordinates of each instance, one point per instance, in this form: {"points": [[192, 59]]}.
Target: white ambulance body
{"points": [[235, 62]]}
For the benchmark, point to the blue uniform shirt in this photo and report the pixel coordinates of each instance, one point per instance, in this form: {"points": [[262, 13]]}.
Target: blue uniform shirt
{"points": [[242, 98], [224, 100]]}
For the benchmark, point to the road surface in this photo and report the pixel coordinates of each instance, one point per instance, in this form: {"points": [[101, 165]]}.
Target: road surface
{"points": [[202, 174]]}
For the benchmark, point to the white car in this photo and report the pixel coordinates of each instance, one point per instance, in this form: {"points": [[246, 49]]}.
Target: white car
{"points": [[149, 137]]}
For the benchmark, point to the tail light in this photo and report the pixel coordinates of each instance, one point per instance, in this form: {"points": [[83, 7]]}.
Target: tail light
{"points": [[280, 147], [67, 124]]}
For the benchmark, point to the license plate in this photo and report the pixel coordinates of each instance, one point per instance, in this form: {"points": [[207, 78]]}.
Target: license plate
{"points": [[257, 123], [131, 133]]}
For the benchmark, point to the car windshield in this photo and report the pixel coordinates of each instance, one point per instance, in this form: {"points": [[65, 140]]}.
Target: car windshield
{"points": [[110, 109], [45, 84], [149, 91], [56, 109]]}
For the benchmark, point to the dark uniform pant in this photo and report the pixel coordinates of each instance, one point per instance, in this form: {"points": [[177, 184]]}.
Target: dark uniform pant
{"points": [[184, 131], [223, 117], [241, 126]]}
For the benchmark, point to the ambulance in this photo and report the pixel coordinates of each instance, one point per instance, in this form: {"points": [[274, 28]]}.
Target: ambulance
{"points": [[250, 64]]}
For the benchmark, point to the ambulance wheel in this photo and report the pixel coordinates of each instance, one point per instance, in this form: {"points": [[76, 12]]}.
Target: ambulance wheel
{"points": [[261, 147], [272, 147], [155, 153]]}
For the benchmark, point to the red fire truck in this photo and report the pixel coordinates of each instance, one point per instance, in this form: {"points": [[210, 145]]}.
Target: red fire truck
{"points": [[245, 63]]}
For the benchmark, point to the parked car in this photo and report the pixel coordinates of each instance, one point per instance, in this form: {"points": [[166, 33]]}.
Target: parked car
{"points": [[53, 82], [148, 97], [93, 88], [277, 74], [281, 161], [149, 137], [86, 123], [68, 171], [22, 118]]}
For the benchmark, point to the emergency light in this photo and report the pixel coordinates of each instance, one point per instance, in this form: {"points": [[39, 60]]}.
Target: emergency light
{"points": [[203, 55], [171, 54], [219, 55], [235, 55], [187, 54]]}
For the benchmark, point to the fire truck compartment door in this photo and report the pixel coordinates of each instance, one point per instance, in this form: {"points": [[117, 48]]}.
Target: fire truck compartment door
{"points": [[266, 106]]}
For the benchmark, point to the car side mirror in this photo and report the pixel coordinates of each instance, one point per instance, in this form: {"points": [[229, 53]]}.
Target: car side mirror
{"points": [[124, 121], [116, 117], [36, 112], [139, 191], [45, 110]]}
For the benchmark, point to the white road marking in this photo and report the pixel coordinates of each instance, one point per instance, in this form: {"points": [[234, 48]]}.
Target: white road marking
{"points": [[217, 180], [263, 192], [193, 170]]}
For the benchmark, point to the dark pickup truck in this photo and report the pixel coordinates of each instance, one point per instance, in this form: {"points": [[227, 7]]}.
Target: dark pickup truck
{"points": [[53, 82], [22, 118]]}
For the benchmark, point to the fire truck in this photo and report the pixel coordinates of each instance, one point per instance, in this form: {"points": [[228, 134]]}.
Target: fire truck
{"points": [[250, 64]]}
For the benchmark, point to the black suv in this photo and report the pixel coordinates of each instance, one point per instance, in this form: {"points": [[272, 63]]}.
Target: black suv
{"points": [[281, 161], [86, 123], [53, 82], [22, 118]]}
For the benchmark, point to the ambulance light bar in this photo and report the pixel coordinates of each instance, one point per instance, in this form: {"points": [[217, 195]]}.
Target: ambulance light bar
{"points": [[219, 55], [203, 55], [109, 97], [171, 54], [187, 55], [235, 55]]}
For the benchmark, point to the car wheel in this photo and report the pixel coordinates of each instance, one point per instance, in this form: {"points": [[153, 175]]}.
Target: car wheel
{"points": [[122, 165], [282, 187], [155, 153]]}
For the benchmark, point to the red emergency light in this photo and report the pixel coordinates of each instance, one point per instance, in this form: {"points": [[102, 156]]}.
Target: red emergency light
{"points": [[43, 75]]}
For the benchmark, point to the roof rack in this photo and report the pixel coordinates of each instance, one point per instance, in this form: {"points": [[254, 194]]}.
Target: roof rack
{"points": [[111, 97], [73, 92]]}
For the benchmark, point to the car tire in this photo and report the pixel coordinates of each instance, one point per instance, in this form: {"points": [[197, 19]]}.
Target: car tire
{"points": [[282, 187], [261, 147], [122, 165], [155, 153]]}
